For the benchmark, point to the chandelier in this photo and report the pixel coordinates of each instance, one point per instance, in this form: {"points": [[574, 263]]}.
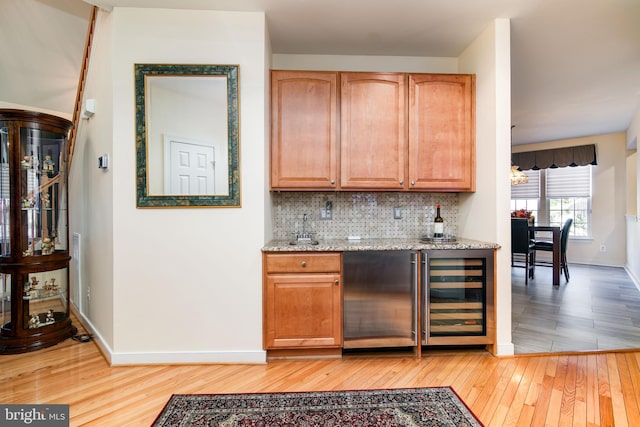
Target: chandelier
{"points": [[517, 176]]}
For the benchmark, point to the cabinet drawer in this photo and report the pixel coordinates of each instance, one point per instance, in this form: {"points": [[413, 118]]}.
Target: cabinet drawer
{"points": [[303, 263]]}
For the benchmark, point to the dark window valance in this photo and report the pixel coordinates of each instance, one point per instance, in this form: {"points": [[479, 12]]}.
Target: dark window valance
{"points": [[556, 158]]}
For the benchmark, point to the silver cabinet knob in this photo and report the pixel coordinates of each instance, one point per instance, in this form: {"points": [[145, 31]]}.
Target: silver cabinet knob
{"points": [[333, 182], [336, 282], [401, 181], [413, 183], [303, 263]]}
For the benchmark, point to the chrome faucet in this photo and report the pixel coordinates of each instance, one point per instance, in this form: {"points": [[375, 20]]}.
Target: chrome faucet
{"points": [[304, 236]]}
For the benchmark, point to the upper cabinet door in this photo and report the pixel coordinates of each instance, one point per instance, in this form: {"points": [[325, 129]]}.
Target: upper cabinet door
{"points": [[304, 153], [442, 132], [373, 131]]}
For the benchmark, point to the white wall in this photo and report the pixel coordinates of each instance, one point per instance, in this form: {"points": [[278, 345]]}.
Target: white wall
{"points": [[186, 284], [633, 248], [266, 152], [608, 204], [633, 220], [397, 64], [632, 182], [484, 215], [91, 194]]}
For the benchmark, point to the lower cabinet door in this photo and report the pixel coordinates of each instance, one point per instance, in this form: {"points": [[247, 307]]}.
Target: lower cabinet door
{"points": [[303, 311]]}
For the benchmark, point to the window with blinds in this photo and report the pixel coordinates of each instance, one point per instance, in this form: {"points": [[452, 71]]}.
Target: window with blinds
{"points": [[568, 182], [527, 195], [568, 192], [556, 194]]}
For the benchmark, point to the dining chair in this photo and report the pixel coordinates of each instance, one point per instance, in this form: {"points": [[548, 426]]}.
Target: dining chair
{"points": [[522, 244], [543, 245]]}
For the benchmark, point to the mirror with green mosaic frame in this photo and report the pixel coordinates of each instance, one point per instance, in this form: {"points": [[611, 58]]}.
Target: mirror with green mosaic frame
{"points": [[187, 135]]}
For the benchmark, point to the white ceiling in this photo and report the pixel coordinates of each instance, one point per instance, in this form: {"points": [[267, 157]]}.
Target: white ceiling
{"points": [[41, 48], [575, 63]]}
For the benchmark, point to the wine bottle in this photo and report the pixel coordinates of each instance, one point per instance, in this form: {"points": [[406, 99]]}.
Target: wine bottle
{"points": [[438, 224]]}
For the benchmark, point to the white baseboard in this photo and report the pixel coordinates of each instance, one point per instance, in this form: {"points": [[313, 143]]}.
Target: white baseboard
{"points": [[146, 358], [595, 263], [86, 323], [505, 349], [633, 277], [222, 357]]}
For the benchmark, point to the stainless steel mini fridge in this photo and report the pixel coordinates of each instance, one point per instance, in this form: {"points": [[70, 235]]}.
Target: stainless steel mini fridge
{"points": [[380, 298]]}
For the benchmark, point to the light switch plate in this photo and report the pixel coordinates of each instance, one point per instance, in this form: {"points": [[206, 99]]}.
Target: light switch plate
{"points": [[103, 161]]}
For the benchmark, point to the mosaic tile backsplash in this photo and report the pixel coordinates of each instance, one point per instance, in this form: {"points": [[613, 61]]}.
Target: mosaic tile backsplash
{"points": [[367, 215]]}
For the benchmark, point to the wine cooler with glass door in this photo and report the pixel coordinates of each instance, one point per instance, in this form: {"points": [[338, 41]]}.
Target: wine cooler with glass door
{"points": [[457, 292]]}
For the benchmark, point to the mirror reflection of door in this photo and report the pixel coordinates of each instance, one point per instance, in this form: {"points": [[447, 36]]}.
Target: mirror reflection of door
{"points": [[190, 167], [192, 109]]}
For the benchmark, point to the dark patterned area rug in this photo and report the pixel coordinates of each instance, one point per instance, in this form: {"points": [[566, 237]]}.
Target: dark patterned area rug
{"points": [[433, 406]]}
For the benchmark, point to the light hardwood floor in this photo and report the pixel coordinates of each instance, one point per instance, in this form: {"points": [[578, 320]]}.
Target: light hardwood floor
{"points": [[559, 389], [580, 389]]}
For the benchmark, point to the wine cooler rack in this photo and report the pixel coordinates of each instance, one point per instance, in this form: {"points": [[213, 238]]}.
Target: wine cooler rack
{"points": [[457, 295]]}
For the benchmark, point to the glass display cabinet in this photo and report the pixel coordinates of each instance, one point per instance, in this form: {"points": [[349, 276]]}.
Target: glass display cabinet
{"points": [[34, 237]]}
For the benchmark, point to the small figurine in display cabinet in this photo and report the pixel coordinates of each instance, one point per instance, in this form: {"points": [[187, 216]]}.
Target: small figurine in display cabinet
{"points": [[48, 247], [48, 167], [25, 163], [34, 321], [26, 291], [50, 317], [46, 200], [29, 202], [50, 287], [34, 282]]}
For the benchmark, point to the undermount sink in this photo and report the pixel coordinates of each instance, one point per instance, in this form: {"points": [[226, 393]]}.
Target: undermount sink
{"points": [[303, 242], [303, 239]]}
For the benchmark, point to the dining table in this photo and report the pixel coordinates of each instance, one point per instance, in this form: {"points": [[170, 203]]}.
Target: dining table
{"points": [[555, 232]]}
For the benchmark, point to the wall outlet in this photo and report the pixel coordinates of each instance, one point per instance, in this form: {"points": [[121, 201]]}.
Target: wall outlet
{"points": [[326, 212], [328, 206], [397, 213], [603, 248]]}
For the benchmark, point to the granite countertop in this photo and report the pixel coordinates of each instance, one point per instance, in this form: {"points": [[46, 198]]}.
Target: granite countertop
{"points": [[341, 245]]}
